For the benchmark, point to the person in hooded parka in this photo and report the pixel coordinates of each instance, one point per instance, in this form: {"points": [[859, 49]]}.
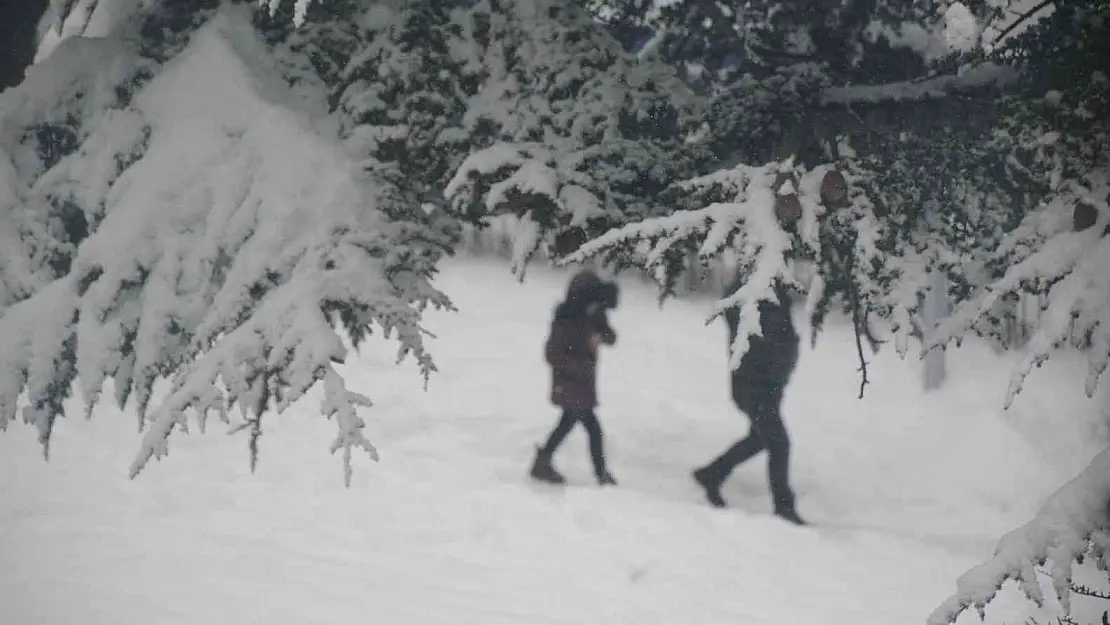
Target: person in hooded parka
{"points": [[580, 326], [758, 386]]}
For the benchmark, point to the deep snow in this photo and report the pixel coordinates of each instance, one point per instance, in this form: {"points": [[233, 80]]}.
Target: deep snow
{"points": [[907, 489]]}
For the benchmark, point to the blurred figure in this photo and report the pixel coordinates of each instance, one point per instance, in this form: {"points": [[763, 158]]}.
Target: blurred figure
{"points": [[579, 328], [758, 386]]}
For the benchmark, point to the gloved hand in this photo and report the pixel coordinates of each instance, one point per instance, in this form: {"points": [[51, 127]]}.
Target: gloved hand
{"points": [[595, 341]]}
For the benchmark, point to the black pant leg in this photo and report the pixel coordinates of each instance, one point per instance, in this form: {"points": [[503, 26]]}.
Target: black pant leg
{"points": [[740, 452], [768, 422], [597, 444], [566, 423]]}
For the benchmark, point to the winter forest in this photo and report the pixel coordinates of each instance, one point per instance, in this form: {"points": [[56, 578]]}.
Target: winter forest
{"points": [[366, 211]]}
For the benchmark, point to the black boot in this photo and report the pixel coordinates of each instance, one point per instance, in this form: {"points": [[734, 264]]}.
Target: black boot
{"points": [[790, 515], [543, 471], [605, 478], [712, 486]]}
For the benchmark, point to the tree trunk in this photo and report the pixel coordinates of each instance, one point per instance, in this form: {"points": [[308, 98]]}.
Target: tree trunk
{"points": [[935, 310]]}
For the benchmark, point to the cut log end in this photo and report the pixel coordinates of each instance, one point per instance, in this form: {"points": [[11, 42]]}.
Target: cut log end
{"points": [[1084, 216], [568, 241], [788, 208], [834, 189]]}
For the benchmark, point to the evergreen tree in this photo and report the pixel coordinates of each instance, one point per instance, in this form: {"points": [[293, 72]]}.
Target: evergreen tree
{"points": [[942, 167], [989, 164], [1056, 130], [228, 232], [578, 134]]}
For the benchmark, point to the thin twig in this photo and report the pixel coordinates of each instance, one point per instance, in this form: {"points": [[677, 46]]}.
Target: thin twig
{"points": [[859, 339], [868, 333], [1020, 20]]}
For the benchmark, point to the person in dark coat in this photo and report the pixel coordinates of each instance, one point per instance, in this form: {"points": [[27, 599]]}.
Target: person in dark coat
{"points": [[758, 386], [579, 328]]}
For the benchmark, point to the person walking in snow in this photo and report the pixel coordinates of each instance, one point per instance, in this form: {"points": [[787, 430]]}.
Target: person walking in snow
{"points": [[580, 326], [758, 386]]}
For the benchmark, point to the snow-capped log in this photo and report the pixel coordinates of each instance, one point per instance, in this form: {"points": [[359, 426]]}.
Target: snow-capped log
{"points": [[1073, 524], [788, 208], [1085, 216], [834, 189], [223, 257]]}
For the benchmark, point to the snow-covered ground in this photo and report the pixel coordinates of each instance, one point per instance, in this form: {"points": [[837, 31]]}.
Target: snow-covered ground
{"points": [[907, 490]]}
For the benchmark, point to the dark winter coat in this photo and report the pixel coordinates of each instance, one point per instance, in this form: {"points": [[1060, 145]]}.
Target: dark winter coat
{"points": [[573, 360], [767, 366]]}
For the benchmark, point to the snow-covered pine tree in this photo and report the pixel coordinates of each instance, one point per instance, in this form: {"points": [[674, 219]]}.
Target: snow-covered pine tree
{"points": [[402, 94], [783, 80], [228, 232], [578, 135], [72, 18], [1003, 191], [398, 75], [763, 63], [1057, 125]]}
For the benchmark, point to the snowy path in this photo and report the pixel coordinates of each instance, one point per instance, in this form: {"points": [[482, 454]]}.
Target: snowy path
{"points": [[911, 490]]}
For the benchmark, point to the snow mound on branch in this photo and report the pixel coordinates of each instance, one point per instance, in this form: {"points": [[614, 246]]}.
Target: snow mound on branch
{"points": [[529, 170], [226, 254]]}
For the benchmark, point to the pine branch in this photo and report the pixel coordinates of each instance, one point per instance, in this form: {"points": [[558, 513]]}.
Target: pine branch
{"points": [[1087, 591]]}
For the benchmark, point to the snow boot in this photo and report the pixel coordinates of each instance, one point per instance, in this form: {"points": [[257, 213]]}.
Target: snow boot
{"points": [[543, 471], [712, 487], [791, 516], [606, 478]]}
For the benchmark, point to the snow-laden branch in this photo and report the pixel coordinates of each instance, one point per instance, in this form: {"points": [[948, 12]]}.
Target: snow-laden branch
{"points": [[60, 103], [1071, 268], [287, 342], [541, 187], [1073, 523], [751, 225], [222, 258], [36, 338]]}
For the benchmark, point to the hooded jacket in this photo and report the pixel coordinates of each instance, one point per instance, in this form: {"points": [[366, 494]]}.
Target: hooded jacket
{"points": [[568, 350]]}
